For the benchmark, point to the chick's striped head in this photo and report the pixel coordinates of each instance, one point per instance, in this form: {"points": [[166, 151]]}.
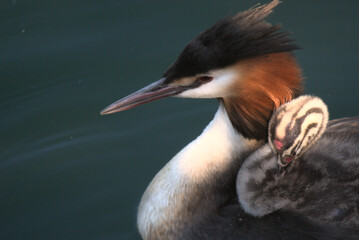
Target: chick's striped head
{"points": [[295, 126]]}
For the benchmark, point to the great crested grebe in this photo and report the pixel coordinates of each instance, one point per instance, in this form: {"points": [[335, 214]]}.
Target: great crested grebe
{"points": [[308, 183], [247, 64]]}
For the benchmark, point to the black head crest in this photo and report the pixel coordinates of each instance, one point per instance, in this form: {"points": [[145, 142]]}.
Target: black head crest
{"points": [[244, 35]]}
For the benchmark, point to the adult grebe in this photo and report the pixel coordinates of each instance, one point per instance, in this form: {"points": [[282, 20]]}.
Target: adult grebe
{"points": [[247, 64]]}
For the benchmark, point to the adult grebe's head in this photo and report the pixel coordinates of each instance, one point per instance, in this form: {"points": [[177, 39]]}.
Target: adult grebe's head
{"points": [[242, 60]]}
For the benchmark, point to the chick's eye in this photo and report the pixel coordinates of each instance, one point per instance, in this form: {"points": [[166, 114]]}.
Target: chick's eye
{"points": [[205, 79]]}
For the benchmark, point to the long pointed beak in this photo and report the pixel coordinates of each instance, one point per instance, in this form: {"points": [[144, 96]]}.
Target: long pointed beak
{"points": [[152, 92]]}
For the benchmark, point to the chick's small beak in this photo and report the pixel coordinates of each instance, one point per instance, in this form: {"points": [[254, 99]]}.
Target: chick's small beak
{"points": [[152, 92]]}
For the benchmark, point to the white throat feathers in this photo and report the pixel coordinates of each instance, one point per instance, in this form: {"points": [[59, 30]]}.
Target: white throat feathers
{"points": [[163, 205]]}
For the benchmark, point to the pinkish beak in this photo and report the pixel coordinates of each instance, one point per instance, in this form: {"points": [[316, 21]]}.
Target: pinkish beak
{"points": [[152, 92]]}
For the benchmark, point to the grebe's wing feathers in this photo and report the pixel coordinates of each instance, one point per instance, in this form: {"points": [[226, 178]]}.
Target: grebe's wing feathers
{"points": [[232, 221], [348, 125]]}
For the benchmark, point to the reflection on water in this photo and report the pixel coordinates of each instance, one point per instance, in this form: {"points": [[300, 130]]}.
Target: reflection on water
{"points": [[68, 173]]}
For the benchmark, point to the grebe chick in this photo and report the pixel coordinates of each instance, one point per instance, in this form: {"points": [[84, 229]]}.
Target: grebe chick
{"points": [[307, 186]]}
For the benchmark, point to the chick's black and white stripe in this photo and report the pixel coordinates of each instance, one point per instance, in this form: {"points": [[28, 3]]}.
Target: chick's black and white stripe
{"points": [[295, 126]]}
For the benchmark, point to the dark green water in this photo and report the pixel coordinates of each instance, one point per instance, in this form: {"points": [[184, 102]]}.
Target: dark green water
{"points": [[68, 173]]}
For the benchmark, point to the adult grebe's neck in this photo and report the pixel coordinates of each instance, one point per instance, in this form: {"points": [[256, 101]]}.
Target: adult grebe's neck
{"points": [[213, 151], [192, 179], [263, 84]]}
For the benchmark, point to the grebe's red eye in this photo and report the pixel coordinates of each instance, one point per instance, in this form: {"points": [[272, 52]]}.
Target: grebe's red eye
{"points": [[205, 79]]}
